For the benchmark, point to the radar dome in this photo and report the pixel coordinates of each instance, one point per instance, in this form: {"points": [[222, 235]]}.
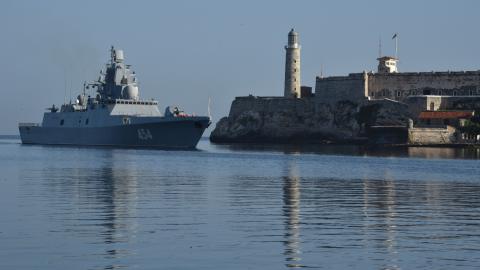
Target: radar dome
{"points": [[81, 100], [130, 92]]}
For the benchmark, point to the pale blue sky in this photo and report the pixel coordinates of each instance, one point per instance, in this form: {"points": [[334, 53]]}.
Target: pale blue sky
{"points": [[187, 51]]}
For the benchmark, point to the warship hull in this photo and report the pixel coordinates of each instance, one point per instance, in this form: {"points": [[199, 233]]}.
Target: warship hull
{"points": [[183, 134]]}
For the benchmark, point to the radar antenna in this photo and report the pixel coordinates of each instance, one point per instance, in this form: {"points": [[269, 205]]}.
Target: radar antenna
{"points": [[112, 54]]}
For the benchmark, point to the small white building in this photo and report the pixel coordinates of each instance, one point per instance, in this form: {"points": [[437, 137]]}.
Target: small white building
{"points": [[387, 64]]}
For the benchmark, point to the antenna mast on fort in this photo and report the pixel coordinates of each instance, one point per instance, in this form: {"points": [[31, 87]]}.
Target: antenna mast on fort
{"points": [[379, 46], [395, 36]]}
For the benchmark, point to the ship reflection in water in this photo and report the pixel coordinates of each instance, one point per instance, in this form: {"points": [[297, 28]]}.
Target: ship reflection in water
{"points": [[88, 208], [98, 204]]}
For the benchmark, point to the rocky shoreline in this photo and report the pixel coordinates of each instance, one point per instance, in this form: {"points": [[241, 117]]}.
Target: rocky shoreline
{"points": [[297, 121]]}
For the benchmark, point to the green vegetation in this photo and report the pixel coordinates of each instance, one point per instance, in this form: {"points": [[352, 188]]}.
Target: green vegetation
{"points": [[472, 126]]}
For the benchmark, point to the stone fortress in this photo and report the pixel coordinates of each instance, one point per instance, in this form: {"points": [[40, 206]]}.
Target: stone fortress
{"points": [[387, 82], [386, 106]]}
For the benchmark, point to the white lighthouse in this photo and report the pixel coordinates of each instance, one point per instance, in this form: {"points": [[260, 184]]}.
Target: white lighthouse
{"points": [[292, 66]]}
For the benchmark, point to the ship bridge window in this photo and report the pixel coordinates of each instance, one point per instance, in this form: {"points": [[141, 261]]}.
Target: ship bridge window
{"points": [[62, 122]]}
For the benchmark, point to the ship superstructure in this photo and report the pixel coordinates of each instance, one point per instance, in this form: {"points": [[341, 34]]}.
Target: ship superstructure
{"points": [[115, 116]]}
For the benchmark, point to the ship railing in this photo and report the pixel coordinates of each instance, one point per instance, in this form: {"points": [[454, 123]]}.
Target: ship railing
{"points": [[28, 124]]}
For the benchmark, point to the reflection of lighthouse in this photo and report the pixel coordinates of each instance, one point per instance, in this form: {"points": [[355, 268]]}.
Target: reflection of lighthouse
{"points": [[291, 212]]}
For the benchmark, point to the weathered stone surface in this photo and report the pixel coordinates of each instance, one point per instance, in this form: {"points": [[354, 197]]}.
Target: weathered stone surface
{"points": [[397, 86], [429, 136], [385, 113], [261, 119]]}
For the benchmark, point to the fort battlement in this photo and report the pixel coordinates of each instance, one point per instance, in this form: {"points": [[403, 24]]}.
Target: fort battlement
{"points": [[397, 86], [270, 104]]}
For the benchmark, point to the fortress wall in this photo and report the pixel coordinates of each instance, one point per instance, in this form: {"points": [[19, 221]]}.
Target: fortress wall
{"points": [[401, 85], [331, 89], [423, 136], [462, 102], [418, 104], [271, 105]]}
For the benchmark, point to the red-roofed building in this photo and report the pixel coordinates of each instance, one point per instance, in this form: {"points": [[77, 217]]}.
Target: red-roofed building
{"points": [[444, 118]]}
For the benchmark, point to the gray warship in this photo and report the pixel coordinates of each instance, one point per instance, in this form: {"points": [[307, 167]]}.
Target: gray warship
{"points": [[115, 116]]}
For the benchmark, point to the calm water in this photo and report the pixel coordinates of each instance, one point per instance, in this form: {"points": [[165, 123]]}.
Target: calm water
{"points": [[231, 207]]}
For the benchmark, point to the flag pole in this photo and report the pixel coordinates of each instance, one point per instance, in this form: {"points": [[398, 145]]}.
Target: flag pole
{"points": [[396, 46]]}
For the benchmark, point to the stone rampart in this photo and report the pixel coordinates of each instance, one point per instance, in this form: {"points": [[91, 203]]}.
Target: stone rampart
{"points": [[271, 105], [417, 104], [277, 119], [331, 89], [357, 87], [431, 136], [398, 86]]}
